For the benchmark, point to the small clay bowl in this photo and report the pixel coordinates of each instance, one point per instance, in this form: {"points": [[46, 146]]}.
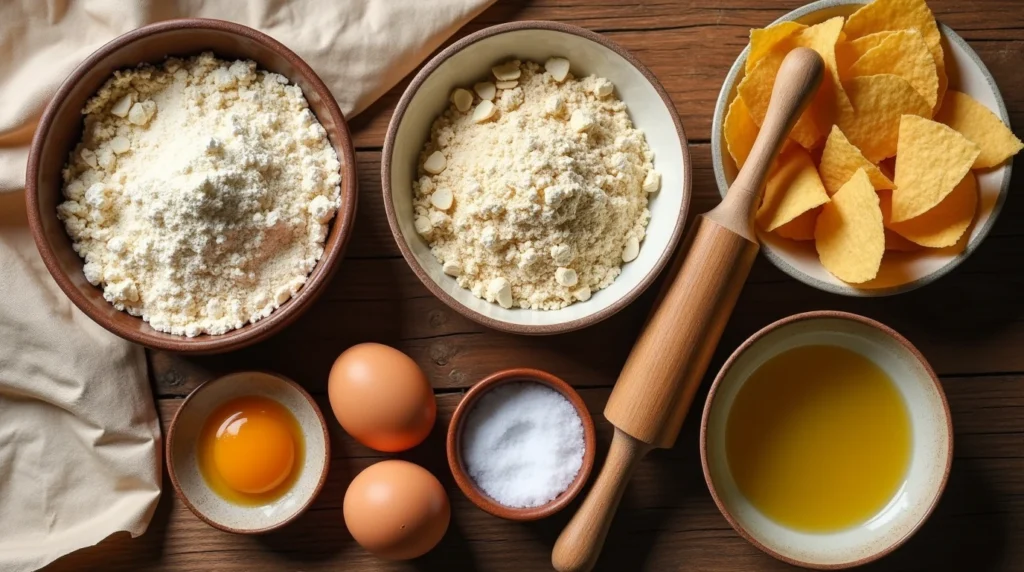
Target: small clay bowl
{"points": [[454, 442], [931, 450], [60, 129], [183, 466]]}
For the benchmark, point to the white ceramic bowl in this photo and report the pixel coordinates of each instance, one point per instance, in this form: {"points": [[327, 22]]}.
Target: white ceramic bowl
{"points": [[470, 60], [901, 271], [931, 449], [183, 466]]}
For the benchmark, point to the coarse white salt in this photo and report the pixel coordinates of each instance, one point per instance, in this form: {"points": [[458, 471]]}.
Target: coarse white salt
{"points": [[523, 444]]}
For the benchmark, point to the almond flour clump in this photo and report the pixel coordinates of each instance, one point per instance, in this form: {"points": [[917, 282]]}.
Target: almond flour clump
{"points": [[532, 189], [200, 193]]}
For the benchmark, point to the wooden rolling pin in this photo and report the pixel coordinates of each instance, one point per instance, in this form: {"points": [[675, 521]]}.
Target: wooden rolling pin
{"points": [[656, 386]]}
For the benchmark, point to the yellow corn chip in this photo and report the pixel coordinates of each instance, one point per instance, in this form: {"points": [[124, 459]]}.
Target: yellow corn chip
{"points": [[893, 241], [943, 225], [740, 131], [905, 54], [896, 243], [840, 160], [888, 167], [892, 15], [756, 91], [800, 228], [830, 97], [849, 235], [984, 128], [932, 159], [773, 38], [852, 50], [793, 189], [879, 101]]}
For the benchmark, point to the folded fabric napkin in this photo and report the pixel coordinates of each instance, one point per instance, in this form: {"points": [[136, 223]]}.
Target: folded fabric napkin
{"points": [[80, 445]]}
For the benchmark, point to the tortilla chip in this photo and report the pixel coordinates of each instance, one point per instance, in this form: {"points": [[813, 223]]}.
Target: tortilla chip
{"points": [[793, 189], [943, 225], [849, 234], [893, 241], [756, 91], [896, 243], [800, 228], [830, 98], [893, 15], [932, 159], [984, 128], [840, 160], [879, 101], [850, 51], [888, 167], [773, 38], [740, 131], [905, 54]]}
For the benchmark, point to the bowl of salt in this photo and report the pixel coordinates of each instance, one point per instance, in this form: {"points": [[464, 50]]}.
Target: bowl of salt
{"points": [[521, 444]]}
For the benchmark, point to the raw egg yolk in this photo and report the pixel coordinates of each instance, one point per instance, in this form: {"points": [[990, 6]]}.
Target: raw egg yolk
{"points": [[250, 447]]}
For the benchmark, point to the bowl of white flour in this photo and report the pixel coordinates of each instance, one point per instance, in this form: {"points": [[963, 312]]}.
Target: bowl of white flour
{"points": [[191, 186], [536, 177]]}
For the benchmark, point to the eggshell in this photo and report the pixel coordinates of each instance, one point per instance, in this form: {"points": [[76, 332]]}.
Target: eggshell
{"points": [[381, 397], [396, 510]]}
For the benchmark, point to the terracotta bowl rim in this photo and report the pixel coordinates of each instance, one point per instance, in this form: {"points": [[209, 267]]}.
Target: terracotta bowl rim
{"points": [[757, 336], [341, 226], [169, 457], [410, 258], [454, 449]]}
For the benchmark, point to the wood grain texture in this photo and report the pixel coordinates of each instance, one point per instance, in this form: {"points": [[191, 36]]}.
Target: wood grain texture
{"points": [[667, 520], [970, 325], [668, 361]]}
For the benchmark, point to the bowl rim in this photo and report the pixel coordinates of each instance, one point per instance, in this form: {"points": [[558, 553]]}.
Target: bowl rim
{"points": [[169, 457], [320, 276], [410, 258], [742, 349], [453, 442], [718, 157]]}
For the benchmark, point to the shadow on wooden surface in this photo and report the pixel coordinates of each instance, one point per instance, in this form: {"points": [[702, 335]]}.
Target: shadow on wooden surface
{"points": [[967, 531]]}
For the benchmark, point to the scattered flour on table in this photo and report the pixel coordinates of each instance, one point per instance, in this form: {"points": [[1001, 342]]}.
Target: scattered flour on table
{"points": [[200, 193], [523, 444], [532, 191]]}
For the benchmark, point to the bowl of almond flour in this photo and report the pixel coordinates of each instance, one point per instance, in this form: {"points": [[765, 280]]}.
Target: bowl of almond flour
{"points": [[191, 186], [536, 177]]}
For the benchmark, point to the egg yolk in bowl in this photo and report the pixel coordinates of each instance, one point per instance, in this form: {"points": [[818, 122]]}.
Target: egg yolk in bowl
{"points": [[251, 450]]}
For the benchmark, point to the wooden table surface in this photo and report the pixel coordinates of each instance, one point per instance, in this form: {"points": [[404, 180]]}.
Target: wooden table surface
{"points": [[970, 325]]}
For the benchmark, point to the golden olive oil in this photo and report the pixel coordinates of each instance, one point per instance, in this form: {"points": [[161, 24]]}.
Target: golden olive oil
{"points": [[818, 439]]}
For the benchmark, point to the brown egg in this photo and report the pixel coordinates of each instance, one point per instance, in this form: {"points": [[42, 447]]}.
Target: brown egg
{"points": [[396, 510], [381, 397]]}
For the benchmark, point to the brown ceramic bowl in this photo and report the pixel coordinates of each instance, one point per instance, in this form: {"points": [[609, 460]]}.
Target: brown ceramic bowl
{"points": [[454, 444], [60, 129], [468, 61], [192, 488], [931, 449]]}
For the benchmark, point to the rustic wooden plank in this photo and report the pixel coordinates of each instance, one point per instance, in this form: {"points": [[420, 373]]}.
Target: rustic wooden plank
{"points": [[968, 324], [382, 300], [666, 37], [667, 521]]}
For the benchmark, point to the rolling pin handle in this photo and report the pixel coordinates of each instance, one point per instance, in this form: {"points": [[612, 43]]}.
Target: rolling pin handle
{"points": [[579, 545]]}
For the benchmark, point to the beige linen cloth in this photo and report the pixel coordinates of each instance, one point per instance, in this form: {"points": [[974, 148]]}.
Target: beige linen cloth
{"points": [[80, 445]]}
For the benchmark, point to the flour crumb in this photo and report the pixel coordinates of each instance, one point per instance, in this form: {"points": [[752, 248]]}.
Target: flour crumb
{"points": [[200, 194], [543, 190]]}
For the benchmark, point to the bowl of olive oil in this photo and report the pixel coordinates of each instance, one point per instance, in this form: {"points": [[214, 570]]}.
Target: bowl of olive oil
{"points": [[826, 440]]}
